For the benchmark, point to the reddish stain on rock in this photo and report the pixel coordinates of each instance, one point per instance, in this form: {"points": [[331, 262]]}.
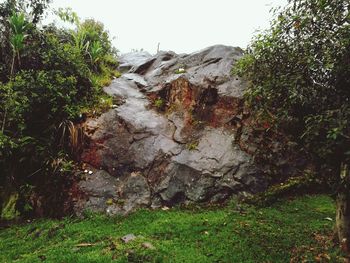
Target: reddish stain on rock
{"points": [[92, 156], [224, 110], [181, 92]]}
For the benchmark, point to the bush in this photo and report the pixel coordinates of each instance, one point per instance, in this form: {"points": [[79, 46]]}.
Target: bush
{"points": [[299, 72], [46, 81]]}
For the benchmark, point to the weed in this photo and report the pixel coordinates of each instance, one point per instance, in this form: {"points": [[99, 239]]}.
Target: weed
{"points": [[159, 103], [192, 145]]}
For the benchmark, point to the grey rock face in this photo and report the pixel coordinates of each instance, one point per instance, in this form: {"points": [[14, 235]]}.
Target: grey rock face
{"points": [[100, 188], [183, 150], [133, 61], [111, 195]]}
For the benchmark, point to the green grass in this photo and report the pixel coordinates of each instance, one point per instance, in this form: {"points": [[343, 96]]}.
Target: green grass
{"points": [[291, 229]]}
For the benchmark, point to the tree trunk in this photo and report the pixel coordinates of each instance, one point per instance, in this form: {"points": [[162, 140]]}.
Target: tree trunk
{"points": [[343, 210], [12, 65], [19, 59]]}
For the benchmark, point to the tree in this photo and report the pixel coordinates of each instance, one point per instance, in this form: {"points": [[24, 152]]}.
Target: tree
{"points": [[18, 27], [15, 18], [299, 75]]}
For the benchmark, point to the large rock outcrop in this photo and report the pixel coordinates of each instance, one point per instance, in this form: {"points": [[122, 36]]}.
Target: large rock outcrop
{"points": [[172, 138]]}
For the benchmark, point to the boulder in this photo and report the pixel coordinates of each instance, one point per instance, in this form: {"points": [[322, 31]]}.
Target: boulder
{"points": [[173, 138]]}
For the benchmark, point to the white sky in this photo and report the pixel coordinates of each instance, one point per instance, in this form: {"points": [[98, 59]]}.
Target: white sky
{"points": [[182, 26]]}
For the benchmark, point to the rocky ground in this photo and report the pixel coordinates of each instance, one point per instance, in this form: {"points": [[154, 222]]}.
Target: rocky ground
{"points": [[172, 136]]}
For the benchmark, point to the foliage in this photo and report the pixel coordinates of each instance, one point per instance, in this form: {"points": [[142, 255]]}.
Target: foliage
{"points": [[9, 211], [34, 9], [18, 27], [299, 73], [91, 39], [159, 103], [46, 82], [289, 231], [192, 145], [180, 71]]}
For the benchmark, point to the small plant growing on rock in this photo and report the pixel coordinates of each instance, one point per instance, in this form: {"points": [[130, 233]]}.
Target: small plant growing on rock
{"points": [[180, 71], [159, 103], [192, 145], [110, 201]]}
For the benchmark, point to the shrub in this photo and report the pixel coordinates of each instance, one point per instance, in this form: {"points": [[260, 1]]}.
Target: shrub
{"points": [[299, 72], [49, 79]]}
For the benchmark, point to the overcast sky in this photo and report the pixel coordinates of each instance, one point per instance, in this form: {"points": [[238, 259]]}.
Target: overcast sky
{"points": [[182, 26]]}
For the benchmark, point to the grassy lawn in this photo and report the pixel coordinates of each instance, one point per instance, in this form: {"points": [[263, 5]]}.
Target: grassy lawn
{"points": [[290, 231]]}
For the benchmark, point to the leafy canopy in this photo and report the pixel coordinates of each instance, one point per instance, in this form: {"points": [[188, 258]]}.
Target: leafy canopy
{"points": [[299, 73]]}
